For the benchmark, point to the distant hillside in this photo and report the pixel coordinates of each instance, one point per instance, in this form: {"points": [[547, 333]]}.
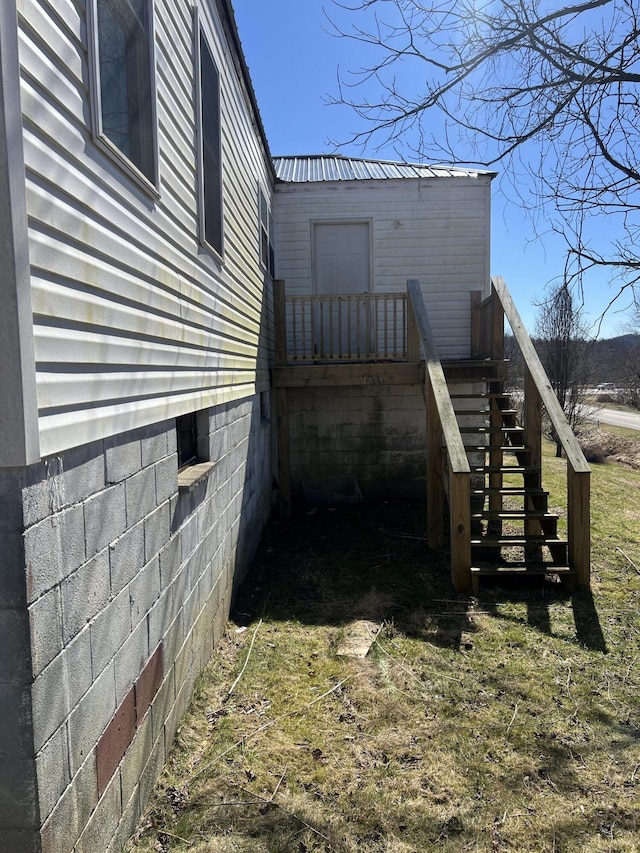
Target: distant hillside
{"points": [[609, 359]]}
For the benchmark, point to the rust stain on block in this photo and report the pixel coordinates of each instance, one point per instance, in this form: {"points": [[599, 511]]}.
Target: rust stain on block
{"points": [[115, 740], [148, 683], [358, 639]]}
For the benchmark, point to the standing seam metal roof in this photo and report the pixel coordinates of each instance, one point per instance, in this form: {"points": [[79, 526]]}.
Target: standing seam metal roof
{"points": [[334, 167]]}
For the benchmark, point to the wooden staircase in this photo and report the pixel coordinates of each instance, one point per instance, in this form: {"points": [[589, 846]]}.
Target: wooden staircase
{"points": [[483, 467], [512, 531]]}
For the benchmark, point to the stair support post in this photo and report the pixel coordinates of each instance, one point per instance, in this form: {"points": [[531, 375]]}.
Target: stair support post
{"points": [[532, 423], [578, 533], [496, 457], [460, 529]]}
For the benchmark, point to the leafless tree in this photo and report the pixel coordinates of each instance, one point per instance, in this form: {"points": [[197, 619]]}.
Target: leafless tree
{"points": [[515, 371], [631, 368], [550, 92], [563, 350]]}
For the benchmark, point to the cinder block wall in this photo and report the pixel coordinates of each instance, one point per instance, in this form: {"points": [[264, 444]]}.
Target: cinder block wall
{"points": [[375, 432], [119, 587]]}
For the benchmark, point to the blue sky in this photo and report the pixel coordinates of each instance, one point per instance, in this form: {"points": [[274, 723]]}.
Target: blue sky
{"points": [[294, 63]]}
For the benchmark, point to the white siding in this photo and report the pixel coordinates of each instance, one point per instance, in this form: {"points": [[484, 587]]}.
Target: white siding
{"points": [[435, 230], [134, 321]]}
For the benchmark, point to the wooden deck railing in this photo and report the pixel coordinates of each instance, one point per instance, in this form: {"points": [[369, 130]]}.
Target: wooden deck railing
{"points": [[358, 327], [442, 424], [488, 341]]}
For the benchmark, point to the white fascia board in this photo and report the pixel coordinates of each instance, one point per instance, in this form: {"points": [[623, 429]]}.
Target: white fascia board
{"points": [[18, 403]]}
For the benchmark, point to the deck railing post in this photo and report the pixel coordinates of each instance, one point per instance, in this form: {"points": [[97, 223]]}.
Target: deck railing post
{"points": [[532, 437], [497, 327], [413, 334]]}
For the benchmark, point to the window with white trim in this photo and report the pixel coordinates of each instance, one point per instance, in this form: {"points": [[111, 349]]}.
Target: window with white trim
{"points": [[124, 87], [210, 143]]}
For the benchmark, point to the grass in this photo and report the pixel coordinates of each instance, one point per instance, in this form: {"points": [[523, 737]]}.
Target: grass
{"points": [[510, 721]]}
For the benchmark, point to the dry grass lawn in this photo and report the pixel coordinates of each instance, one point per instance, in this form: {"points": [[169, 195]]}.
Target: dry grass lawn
{"points": [[510, 721]]}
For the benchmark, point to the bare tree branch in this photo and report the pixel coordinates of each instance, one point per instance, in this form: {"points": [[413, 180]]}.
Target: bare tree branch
{"points": [[553, 92]]}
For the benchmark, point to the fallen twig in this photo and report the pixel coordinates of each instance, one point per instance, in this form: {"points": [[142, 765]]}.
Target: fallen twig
{"points": [[635, 485], [177, 837], [246, 661], [515, 711], [629, 560], [277, 788]]}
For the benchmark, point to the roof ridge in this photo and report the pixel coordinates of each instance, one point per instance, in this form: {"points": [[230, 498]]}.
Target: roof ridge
{"points": [[314, 168]]}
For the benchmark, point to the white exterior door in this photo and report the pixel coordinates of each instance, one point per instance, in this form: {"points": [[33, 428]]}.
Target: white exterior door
{"points": [[341, 268], [341, 257]]}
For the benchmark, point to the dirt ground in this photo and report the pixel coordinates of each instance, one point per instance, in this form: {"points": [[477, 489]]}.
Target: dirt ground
{"points": [[602, 445]]}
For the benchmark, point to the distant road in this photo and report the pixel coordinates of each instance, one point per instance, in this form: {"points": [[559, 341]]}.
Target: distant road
{"points": [[630, 420]]}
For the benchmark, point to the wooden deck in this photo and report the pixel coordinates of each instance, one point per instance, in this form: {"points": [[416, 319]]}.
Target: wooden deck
{"points": [[382, 339]]}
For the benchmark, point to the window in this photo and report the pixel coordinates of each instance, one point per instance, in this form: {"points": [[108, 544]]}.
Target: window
{"points": [[210, 149], [187, 439], [266, 234], [124, 92], [192, 434]]}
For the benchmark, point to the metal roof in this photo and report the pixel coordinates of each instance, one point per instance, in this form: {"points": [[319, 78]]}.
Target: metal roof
{"points": [[334, 167]]}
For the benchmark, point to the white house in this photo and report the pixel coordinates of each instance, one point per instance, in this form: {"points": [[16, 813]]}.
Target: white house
{"points": [[361, 227]]}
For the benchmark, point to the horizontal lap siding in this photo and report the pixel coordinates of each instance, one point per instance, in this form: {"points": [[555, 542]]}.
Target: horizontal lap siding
{"points": [[134, 322], [435, 230]]}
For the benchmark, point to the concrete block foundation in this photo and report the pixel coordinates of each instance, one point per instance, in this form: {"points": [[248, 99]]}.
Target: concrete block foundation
{"points": [[375, 433], [117, 586]]}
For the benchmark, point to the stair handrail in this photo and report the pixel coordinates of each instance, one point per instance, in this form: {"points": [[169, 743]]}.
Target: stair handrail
{"points": [[458, 459], [441, 421], [570, 443], [578, 470]]}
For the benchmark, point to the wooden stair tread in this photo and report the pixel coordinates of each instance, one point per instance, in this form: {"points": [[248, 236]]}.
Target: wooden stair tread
{"points": [[516, 540], [486, 395], [492, 448], [488, 429], [522, 568], [510, 491], [504, 469], [514, 514]]}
